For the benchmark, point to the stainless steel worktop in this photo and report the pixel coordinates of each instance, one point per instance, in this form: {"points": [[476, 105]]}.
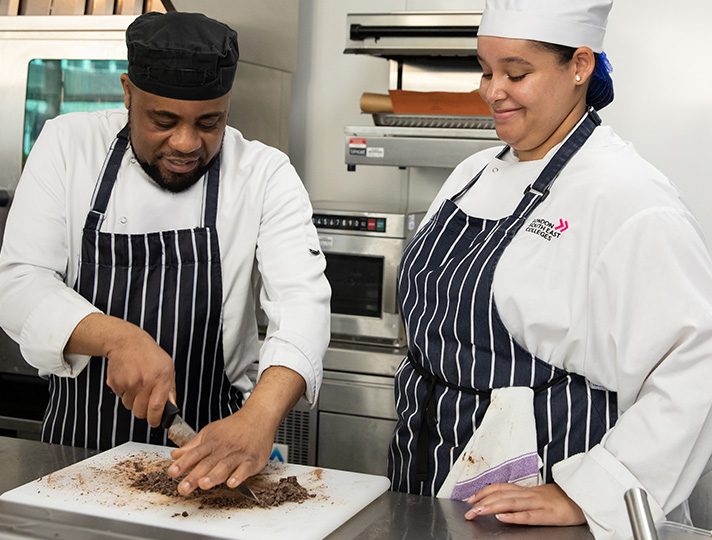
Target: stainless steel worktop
{"points": [[392, 515]]}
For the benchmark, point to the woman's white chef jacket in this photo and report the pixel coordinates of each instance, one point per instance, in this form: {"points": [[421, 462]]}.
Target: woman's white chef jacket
{"points": [[610, 278], [264, 224]]}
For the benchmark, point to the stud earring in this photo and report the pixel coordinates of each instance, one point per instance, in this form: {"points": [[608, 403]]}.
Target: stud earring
{"points": [[578, 78]]}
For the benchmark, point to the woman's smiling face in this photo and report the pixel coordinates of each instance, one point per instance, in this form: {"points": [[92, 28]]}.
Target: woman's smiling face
{"points": [[534, 99]]}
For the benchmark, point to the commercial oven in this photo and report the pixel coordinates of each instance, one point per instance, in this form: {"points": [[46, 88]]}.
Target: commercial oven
{"points": [[51, 65], [363, 247]]}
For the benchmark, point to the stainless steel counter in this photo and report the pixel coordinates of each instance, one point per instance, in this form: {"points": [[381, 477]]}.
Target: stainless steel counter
{"points": [[391, 516]]}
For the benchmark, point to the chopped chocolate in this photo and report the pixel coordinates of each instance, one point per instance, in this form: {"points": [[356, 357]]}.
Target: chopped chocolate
{"points": [[151, 476]]}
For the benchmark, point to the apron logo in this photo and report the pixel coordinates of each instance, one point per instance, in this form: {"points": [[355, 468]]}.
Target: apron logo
{"points": [[562, 226], [547, 229]]}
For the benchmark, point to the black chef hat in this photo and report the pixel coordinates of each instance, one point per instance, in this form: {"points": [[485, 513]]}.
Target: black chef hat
{"points": [[181, 55]]}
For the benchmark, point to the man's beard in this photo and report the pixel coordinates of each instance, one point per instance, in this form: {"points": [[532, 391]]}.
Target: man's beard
{"points": [[176, 182]]}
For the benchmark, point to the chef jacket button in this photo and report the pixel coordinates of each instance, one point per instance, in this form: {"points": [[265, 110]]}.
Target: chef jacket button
{"points": [[133, 160], [123, 220], [495, 169]]}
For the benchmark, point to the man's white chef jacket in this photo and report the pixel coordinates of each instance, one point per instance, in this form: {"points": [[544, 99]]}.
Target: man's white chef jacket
{"points": [[610, 278], [263, 223]]}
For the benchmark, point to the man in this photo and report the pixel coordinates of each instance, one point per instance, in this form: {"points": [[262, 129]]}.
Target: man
{"points": [[129, 264]]}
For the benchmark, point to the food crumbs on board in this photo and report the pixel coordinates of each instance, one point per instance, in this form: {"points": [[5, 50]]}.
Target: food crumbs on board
{"points": [[149, 475]]}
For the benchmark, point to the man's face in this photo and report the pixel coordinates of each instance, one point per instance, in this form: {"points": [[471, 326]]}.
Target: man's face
{"points": [[175, 141]]}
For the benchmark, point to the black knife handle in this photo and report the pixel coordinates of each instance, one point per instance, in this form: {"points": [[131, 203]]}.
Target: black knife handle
{"points": [[170, 411]]}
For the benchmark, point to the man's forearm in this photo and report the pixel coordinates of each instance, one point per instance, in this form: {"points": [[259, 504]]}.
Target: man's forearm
{"points": [[276, 393], [98, 334]]}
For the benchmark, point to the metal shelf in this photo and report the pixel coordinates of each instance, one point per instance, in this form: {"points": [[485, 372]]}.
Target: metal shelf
{"points": [[414, 147], [393, 35]]}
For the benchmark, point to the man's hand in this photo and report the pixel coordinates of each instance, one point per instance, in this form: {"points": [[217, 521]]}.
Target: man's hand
{"points": [[541, 505], [235, 448], [138, 370], [231, 449]]}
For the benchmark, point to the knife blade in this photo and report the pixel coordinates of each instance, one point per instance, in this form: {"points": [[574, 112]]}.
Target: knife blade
{"points": [[180, 432]]}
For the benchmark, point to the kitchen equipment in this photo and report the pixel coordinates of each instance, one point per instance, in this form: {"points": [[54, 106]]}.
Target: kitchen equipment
{"points": [[92, 487], [643, 526], [426, 52], [363, 248], [641, 520], [351, 424], [46, 71]]}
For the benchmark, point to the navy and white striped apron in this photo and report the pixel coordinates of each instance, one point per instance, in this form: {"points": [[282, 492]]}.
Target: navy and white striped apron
{"points": [[170, 284], [459, 348]]}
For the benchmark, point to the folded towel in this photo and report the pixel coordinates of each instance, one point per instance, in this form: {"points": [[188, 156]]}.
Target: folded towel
{"points": [[502, 449]]}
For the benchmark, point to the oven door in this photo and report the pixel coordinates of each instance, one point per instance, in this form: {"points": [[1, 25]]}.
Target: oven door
{"points": [[362, 271]]}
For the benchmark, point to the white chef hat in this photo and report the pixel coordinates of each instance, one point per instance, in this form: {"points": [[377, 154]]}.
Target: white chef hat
{"points": [[573, 23]]}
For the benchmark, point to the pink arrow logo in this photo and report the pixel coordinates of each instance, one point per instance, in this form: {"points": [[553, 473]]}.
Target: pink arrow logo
{"points": [[562, 226]]}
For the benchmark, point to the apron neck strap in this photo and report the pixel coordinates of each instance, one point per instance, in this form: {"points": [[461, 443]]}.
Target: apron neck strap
{"points": [[539, 190], [536, 192], [95, 217], [211, 194]]}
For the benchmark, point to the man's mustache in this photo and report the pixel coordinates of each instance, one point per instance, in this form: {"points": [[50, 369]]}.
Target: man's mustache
{"points": [[181, 155]]}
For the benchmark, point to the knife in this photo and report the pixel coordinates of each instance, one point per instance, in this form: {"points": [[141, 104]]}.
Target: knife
{"points": [[180, 432]]}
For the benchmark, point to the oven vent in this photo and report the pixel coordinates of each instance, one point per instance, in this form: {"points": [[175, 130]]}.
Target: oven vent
{"points": [[298, 432]]}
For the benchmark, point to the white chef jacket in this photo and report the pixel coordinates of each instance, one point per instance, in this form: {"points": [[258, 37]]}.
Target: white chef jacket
{"points": [[610, 278], [264, 228]]}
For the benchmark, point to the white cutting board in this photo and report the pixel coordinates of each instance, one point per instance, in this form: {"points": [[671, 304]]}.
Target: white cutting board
{"points": [[93, 487]]}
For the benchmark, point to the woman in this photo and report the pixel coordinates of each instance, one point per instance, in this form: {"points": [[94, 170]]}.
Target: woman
{"points": [[565, 266]]}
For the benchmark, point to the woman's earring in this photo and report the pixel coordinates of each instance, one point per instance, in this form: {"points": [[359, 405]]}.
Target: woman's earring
{"points": [[578, 78]]}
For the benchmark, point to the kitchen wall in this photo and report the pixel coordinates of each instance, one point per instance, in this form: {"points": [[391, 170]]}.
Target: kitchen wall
{"points": [[660, 54], [661, 60], [326, 88]]}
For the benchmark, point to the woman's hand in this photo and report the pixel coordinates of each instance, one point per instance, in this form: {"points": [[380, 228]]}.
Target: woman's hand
{"points": [[541, 505]]}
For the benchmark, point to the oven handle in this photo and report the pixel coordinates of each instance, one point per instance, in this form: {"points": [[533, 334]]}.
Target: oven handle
{"points": [[359, 32]]}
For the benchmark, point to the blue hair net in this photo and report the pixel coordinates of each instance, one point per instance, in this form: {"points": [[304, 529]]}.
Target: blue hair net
{"points": [[600, 89]]}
